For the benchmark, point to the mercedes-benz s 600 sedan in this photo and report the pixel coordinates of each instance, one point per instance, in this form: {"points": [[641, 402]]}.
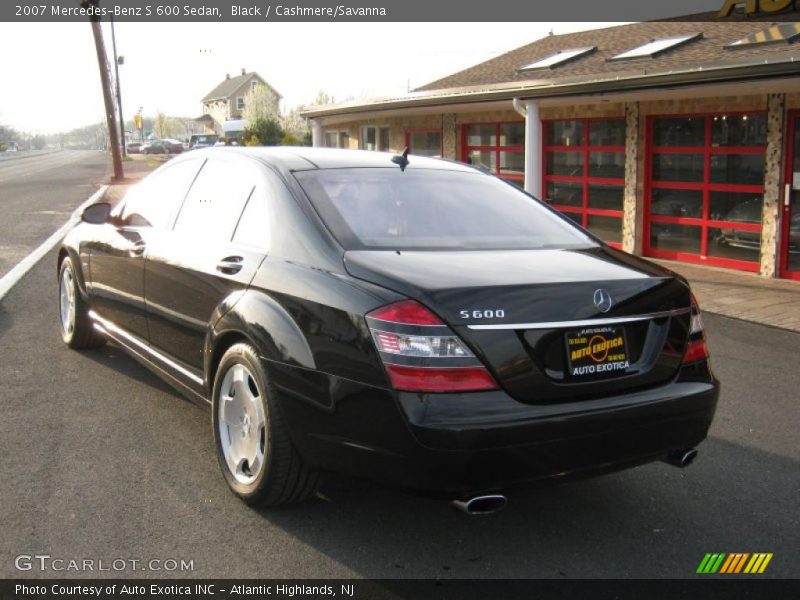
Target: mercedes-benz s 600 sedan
{"points": [[409, 320]]}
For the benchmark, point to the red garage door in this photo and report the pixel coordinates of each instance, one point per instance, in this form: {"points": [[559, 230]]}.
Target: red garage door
{"points": [[704, 188]]}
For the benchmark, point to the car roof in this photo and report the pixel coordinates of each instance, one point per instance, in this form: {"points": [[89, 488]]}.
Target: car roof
{"points": [[305, 158]]}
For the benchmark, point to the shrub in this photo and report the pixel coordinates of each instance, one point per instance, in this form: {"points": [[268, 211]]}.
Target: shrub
{"points": [[266, 132]]}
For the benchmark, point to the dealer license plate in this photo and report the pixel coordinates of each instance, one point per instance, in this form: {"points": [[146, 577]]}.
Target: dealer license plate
{"points": [[597, 351]]}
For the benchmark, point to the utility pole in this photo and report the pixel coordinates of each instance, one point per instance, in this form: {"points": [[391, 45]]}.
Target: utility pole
{"points": [[117, 63], [102, 63]]}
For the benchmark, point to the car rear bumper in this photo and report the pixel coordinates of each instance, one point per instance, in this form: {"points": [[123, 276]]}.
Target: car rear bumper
{"points": [[466, 443]]}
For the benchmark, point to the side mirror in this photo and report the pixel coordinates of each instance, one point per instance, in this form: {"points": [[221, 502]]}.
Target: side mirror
{"points": [[96, 214]]}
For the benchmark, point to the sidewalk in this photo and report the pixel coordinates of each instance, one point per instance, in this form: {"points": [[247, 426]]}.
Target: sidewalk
{"points": [[134, 170], [747, 296]]}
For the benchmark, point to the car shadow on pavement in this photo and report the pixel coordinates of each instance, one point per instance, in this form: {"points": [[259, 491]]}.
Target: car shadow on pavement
{"points": [[117, 359], [651, 521], [6, 319]]}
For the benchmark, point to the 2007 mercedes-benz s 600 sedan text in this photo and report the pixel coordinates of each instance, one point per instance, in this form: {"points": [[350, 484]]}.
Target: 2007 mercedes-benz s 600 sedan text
{"points": [[409, 320]]}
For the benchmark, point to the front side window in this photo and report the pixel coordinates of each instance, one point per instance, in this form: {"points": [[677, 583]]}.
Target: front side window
{"points": [[386, 208], [155, 200], [215, 201]]}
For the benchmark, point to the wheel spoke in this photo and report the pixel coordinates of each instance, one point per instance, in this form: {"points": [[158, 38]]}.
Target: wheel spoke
{"points": [[242, 424]]}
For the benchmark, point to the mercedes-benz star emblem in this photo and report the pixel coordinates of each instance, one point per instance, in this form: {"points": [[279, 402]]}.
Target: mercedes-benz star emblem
{"points": [[602, 300]]}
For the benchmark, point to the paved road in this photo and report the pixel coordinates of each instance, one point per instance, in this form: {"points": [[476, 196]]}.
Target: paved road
{"points": [[100, 460], [38, 193]]}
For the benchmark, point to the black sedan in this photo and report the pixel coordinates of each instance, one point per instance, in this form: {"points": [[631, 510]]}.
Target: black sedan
{"points": [[408, 320], [154, 147]]}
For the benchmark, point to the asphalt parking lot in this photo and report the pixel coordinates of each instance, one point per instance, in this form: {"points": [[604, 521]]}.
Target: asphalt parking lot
{"points": [[99, 459]]}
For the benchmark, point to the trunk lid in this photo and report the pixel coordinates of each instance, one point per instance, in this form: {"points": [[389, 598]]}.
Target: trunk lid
{"points": [[531, 316]]}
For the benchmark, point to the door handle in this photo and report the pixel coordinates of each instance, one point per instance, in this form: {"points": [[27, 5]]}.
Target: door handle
{"points": [[230, 265], [138, 248], [787, 197]]}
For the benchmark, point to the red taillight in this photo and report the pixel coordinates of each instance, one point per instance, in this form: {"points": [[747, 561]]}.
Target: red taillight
{"points": [[696, 348], [422, 354], [434, 379], [407, 312]]}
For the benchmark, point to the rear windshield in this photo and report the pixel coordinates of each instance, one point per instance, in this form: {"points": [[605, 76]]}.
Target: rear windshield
{"points": [[376, 208]]}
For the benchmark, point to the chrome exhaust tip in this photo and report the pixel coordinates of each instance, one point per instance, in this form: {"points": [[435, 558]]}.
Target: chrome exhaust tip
{"points": [[682, 458], [482, 505]]}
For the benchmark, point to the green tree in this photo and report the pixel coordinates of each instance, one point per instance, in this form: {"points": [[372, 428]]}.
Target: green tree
{"points": [[263, 132]]}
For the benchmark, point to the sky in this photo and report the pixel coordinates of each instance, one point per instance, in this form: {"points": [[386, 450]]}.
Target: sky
{"points": [[53, 84]]}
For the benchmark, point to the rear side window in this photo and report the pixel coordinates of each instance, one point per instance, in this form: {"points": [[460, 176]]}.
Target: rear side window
{"points": [[253, 227], [215, 201], [377, 208], [154, 201]]}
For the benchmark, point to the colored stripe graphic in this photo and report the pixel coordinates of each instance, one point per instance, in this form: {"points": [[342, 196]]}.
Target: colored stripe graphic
{"points": [[758, 563], [711, 563], [733, 563]]}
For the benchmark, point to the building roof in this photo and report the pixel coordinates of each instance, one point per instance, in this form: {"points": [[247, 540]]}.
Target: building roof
{"points": [[700, 60], [230, 84], [711, 47]]}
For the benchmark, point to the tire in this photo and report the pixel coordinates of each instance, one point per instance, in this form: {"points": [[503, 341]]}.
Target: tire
{"points": [[74, 323], [255, 453]]}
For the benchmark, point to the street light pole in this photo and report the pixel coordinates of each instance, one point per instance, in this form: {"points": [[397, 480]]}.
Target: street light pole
{"points": [[102, 63], [119, 90]]}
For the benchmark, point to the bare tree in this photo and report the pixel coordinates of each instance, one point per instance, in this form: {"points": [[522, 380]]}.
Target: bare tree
{"points": [[295, 125], [260, 103], [163, 126], [323, 98]]}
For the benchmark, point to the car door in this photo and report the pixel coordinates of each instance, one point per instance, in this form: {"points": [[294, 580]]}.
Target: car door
{"points": [[117, 257], [193, 269]]}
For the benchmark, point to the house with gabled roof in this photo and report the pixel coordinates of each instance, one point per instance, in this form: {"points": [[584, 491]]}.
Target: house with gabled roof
{"points": [[675, 139], [227, 100]]}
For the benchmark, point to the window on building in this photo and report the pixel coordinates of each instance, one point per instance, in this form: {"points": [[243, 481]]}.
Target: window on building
{"points": [[584, 175], [498, 147], [778, 33], [655, 47], [239, 102], [559, 58], [375, 138], [253, 84], [331, 139], [334, 138], [706, 188], [424, 142]]}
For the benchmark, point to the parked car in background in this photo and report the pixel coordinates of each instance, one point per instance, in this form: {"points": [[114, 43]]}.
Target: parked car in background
{"points": [[133, 147], [205, 140], [155, 147], [174, 146], [413, 321]]}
